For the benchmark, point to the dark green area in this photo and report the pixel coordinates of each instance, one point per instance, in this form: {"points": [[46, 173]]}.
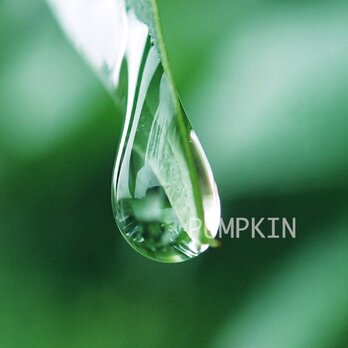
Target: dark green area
{"points": [[265, 86]]}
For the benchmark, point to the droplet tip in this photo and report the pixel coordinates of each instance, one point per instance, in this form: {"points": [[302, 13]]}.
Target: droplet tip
{"points": [[214, 243]]}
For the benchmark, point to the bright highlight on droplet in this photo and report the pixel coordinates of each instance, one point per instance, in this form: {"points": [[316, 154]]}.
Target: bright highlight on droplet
{"points": [[164, 196]]}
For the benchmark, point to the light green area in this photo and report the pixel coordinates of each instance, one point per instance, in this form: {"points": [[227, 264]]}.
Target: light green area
{"points": [[66, 276]]}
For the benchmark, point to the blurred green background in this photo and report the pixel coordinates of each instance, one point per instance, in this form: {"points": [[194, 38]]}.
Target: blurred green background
{"points": [[265, 84]]}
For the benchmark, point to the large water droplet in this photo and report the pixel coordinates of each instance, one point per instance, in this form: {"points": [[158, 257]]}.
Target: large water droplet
{"points": [[164, 196]]}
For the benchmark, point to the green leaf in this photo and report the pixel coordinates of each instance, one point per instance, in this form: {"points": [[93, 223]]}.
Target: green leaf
{"points": [[102, 38]]}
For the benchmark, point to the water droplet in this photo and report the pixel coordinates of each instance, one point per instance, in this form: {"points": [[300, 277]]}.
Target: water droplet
{"points": [[163, 192], [164, 196]]}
